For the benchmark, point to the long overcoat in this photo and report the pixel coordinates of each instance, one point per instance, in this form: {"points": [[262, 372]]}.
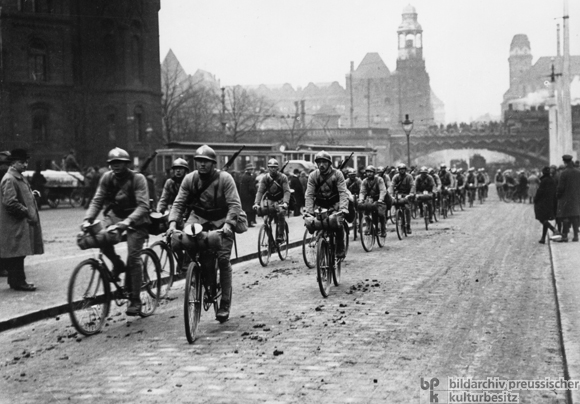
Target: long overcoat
{"points": [[20, 230], [247, 191], [545, 201], [569, 193]]}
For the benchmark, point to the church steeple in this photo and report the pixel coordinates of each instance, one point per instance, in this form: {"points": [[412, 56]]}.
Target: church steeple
{"points": [[410, 35]]}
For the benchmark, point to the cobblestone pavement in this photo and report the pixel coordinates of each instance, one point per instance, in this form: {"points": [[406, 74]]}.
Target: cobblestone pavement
{"points": [[471, 297]]}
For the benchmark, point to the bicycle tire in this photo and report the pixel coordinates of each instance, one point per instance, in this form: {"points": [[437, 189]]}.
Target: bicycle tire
{"points": [[444, 207], [450, 207], [192, 302], [89, 297], [76, 198], [399, 223], [151, 286], [414, 207], [282, 248], [264, 250], [460, 202], [346, 237], [381, 241], [323, 268], [336, 270], [426, 215], [367, 236], [167, 265], [309, 249]]}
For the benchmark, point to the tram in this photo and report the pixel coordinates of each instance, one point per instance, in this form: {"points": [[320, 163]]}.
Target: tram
{"points": [[362, 157]]}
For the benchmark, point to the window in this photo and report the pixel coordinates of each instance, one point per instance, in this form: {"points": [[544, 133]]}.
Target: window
{"points": [[39, 123], [136, 58], [37, 60], [111, 126], [409, 40], [110, 54], [138, 124]]}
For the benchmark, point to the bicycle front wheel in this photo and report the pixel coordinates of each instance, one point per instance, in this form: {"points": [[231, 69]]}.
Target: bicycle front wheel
{"points": [[309, 249], [336, 270], [444, 207], [151, 287], [89, 297], [76, 198], [264, 250], [367, 237], [192, 302], [346, 236], [323, 267], [426, 215], [283, 246], [166, 265], [399, 223]]}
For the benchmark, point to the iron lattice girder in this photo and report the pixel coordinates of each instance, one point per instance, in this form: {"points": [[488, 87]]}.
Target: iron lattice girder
{"points": [[533, 148]]}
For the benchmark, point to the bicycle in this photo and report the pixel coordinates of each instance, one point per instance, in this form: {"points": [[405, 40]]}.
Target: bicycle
{"points": [[266, 241], [168, 260], [202, 283], [480, 194], [426, 207], [369, 226], [401, 205], [328, 266], [309, 245], [511, 195], [458, 197], [89, 292], [446, 202], [470, 193]]}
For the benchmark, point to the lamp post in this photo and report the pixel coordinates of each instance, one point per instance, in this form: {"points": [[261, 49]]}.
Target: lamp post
{"points": [[408, 127]]}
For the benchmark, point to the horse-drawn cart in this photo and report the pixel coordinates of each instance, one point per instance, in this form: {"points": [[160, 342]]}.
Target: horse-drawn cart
{"points": [[60, 186]]}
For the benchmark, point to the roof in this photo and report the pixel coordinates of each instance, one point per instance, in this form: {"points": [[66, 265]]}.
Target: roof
{"points": [[372, 66], [409, 9], [520, 41]]}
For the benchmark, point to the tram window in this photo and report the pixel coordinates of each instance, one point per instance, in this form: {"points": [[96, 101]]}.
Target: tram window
{"points": [[260, 163], [168, 161], [336, 161], [361, 162]]}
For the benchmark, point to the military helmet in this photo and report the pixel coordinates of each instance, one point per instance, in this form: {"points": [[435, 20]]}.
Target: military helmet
{"points": [[351, 171], [322, 155], [430, 170], [180, 163], [205, 153], [424, 170], [118, 154], [443, 166], [402, 166], [371, 168], [273, 163], [380, 169]]}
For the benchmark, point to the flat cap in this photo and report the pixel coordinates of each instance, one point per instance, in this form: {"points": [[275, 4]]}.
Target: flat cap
{"points": [[567, 157]]}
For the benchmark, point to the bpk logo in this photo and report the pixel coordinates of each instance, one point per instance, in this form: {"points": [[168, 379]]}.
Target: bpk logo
{"points": [[430, 385]]}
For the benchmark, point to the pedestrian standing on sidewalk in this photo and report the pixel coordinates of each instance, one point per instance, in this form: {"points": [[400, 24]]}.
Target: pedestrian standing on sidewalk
{"points": [[4, 166], [21, 232], [568, 194], [247, 193], [545, 203], [296, 185], [533, 184]]}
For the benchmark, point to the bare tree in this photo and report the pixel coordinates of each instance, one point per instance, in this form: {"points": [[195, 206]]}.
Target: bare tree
{"points": [[177, 92], [243, 111]]}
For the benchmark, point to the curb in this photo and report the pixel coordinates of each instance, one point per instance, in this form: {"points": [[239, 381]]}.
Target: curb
{"points": [[54, 311]]}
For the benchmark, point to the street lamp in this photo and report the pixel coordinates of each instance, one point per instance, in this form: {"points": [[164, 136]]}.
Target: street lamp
{"points": [[408, 127]]}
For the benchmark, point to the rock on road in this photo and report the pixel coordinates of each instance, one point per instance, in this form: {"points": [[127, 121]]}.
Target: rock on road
{"points": [[471, 297]]}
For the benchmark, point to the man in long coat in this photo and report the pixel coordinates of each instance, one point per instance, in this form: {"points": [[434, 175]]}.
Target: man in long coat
{"points": [[21, 233], [569, 198]]}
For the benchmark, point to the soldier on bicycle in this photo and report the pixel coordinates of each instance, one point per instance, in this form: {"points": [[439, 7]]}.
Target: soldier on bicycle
{"points": [[425, 186], [212, 196], [447, 182], [373, 186], [327, 189], [124, 195], [353, 184], [275, 188], [171, 187], [404, 185]]}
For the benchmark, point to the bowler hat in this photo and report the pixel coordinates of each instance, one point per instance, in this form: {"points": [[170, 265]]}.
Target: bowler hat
{"points": [[19, 154], [567, 157]]}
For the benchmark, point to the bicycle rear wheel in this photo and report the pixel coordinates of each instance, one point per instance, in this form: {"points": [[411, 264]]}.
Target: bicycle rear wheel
{"points": [[192, 302], [166, 265], [426, 215], [264, 250], [399, 223], [89, 297], [367, 237], [76, 198], [309, 249], [282, 248], [323, 268], [151, 287]]}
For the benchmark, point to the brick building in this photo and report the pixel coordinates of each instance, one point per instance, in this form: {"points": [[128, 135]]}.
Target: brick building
{"points": [[80, 74]]}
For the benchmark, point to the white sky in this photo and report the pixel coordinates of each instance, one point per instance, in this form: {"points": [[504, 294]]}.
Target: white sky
{"points": [[465, 42]]}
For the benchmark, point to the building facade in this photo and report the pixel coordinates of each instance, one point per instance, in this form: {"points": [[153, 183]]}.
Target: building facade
{"points": [[79, 74]]}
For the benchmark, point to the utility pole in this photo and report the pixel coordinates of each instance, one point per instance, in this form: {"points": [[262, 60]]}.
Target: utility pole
{"points": [[566, 112]]}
